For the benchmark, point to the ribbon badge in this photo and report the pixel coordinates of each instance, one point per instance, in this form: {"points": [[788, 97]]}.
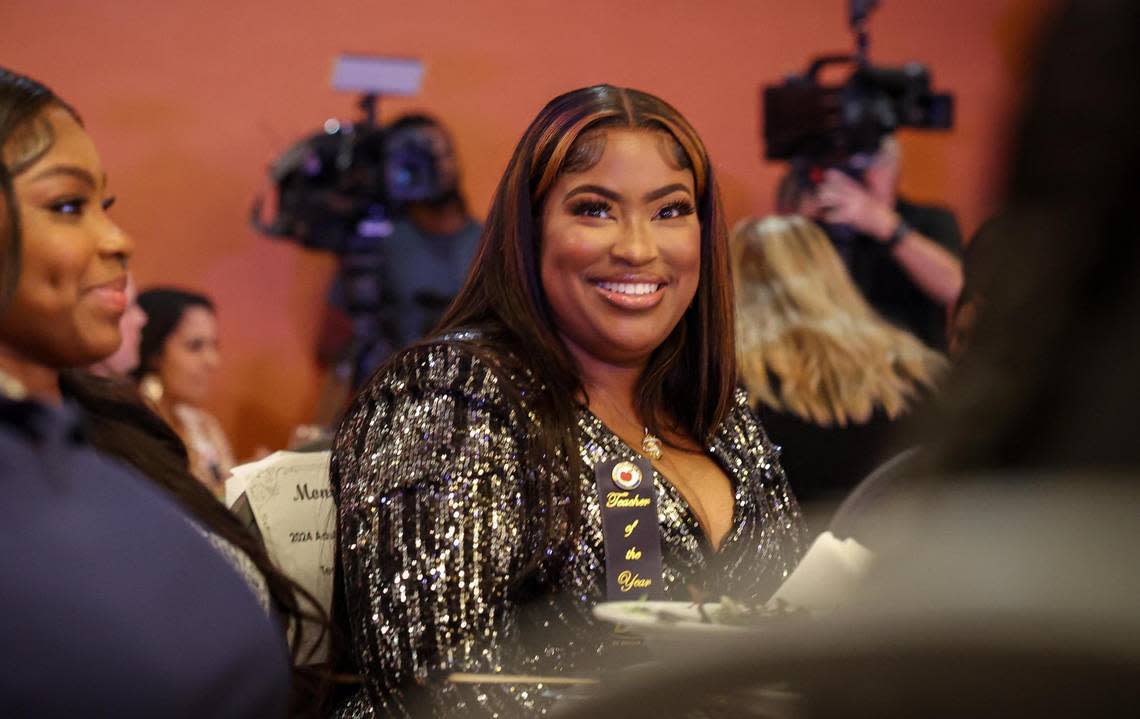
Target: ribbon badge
{"points": [[630, 528]]}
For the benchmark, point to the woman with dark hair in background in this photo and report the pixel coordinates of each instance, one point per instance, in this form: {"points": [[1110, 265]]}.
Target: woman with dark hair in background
{"points": [[112, 603], [178, 356], [595, 326]]}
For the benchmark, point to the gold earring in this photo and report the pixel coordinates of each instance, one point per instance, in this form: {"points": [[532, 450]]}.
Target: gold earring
{"points": [[150, 387]]}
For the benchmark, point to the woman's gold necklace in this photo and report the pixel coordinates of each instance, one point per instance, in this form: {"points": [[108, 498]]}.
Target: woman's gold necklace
{"points": [[651, 445]]}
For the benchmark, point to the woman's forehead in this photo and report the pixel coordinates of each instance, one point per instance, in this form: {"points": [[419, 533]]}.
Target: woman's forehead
{"points": [[593, 145], [70, 146], [196, 318]]}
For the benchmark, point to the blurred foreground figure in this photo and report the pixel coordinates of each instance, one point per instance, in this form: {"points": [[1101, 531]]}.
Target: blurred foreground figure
{"points": [[995, 601], [112, 603], [1050, 379], [975, 263]]}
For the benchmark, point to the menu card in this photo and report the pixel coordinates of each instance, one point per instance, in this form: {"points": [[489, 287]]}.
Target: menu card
{"points": [[291, 503]]}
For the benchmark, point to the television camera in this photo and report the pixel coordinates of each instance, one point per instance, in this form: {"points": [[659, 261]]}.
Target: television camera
{"points": [[817, 126]]}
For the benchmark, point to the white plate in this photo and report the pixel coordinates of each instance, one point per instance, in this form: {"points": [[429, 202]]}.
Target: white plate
{"points": [[649, 618]]}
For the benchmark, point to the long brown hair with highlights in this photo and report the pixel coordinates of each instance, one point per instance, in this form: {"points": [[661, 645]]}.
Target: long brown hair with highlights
{"points": [[689, 380]]}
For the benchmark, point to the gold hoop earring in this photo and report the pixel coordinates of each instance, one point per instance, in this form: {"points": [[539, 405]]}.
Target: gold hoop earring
{"points": [[150, 387]]}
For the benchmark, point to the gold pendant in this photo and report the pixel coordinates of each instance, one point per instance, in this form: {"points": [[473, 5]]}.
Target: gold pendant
{"points": [[651, 445]]}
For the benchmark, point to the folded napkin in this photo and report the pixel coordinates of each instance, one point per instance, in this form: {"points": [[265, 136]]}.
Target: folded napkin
{"points": [[827, 575]]}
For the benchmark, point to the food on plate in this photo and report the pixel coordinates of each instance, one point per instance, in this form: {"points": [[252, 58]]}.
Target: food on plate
{"points": [[726, 612]]}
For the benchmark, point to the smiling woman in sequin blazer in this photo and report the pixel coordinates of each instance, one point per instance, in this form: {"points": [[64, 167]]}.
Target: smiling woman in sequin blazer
{"points": [[596, 323]]}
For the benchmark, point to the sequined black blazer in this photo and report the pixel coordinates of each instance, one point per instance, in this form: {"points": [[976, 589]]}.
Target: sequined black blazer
{"points": [[445, 568]]}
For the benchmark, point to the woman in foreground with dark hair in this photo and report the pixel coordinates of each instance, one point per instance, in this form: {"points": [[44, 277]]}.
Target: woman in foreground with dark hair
{"points": [[119, 424], [113, 603], [590, 348]]}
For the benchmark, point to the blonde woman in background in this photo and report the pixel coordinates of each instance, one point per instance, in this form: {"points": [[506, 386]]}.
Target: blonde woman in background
{"points": [[830, 378]]}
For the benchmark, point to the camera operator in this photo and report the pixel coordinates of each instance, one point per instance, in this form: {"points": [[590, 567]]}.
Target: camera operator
{"points": [[902, 255], [419, 266]]}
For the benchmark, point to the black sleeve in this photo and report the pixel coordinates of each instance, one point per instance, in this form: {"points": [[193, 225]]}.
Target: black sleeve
{"points": [[427, 473]]}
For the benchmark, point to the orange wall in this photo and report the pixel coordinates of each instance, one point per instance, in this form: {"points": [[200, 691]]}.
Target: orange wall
{"points": [[189, 100]]}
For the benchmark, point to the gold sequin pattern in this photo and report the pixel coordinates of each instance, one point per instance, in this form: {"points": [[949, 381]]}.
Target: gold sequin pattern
{"points": [[445, 560]]}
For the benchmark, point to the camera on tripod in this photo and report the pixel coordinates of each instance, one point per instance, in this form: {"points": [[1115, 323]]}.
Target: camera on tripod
{"points": [[341, 189], [818, 126], [342, 185]]}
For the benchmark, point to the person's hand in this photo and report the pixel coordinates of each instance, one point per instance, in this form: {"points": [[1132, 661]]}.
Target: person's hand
{"points": [[844, 201]]}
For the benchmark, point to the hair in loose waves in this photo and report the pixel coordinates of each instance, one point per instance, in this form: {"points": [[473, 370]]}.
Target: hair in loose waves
{"points": [[809, 343], [688, 383]]}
